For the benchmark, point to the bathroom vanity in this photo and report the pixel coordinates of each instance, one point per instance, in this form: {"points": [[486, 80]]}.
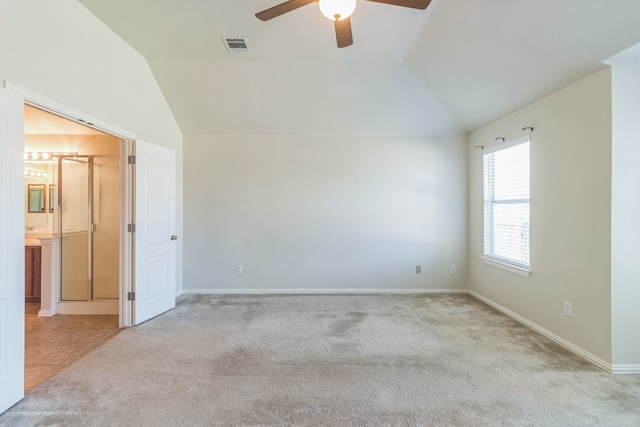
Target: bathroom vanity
{"points": [[32, 271]]}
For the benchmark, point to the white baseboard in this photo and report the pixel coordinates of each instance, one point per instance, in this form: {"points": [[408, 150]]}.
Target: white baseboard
{"points": [[322, 291], [625, 369], [553, 337], [46, 313], [83, 307]]}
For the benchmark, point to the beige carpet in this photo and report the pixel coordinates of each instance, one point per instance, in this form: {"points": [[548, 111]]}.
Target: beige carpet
{"points": [[331, 360]]}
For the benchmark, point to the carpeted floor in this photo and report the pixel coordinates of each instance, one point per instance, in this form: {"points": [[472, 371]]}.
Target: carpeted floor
{"points": [[436, 360]]}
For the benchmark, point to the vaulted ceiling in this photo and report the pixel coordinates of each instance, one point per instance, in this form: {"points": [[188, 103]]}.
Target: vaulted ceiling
{"points": [[453, 67]]}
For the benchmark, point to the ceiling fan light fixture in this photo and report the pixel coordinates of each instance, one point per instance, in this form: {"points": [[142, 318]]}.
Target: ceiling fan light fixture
{"points": [[337, 10]]}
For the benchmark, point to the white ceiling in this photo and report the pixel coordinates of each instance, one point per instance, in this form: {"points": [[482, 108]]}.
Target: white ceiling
{"points": [[457, 65], [486, 58]]}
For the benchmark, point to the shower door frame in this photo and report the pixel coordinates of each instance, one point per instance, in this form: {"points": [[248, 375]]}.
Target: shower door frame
{"points": [[90, 221]]}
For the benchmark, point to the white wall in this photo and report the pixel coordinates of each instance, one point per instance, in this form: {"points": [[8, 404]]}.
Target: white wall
{"points": [[570, 215], [625, 228], [60, 50], [313, 212]]}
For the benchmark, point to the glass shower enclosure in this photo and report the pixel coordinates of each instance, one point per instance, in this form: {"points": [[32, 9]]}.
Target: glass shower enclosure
{"points": [[89, 221]]}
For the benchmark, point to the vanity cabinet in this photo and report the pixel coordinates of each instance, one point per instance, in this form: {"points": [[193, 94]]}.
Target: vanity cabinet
{"points": [[32, 268]]}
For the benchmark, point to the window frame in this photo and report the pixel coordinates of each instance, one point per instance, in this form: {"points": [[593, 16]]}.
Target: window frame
{"points": [[490, 259]]}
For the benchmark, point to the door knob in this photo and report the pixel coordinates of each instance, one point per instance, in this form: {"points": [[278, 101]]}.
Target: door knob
{"points": [[174, 237]]}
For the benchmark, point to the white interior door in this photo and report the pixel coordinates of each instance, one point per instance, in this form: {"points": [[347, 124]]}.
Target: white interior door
{"points": [[155, 219], [11, 249]]}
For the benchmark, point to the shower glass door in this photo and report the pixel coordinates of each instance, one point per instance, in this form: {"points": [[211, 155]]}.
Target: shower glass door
{"points": [[74, 239], [89, 224], [106, 228]]}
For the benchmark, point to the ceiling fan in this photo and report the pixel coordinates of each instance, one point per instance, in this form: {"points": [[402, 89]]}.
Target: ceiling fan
{"points": [[338, 11]]}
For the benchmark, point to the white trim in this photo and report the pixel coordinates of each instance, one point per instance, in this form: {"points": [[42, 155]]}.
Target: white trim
{"points": [[127, 267], [59, 109], [625, 369], [553, 337], [84, 307], [46, 313], [507, 266], [321, 291]]}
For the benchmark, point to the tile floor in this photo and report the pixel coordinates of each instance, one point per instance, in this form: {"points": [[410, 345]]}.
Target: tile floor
{"points": [[52, 343]]}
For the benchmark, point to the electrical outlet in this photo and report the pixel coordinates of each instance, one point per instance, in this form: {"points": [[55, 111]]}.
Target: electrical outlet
{"points": [[238, 269], [418, 269], [568, 309], [453, 269]]}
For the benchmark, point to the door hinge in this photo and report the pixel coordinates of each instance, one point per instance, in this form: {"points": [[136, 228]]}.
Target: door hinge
{"points": [[131, 228], [131, 160], [131, 296]]}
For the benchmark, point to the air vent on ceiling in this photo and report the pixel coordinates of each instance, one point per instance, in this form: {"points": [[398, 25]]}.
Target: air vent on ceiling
{"points": [[236, 44]]}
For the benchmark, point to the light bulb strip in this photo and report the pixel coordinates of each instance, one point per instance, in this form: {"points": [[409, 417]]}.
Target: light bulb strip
{"points": [[35, 155], [34, 174]]}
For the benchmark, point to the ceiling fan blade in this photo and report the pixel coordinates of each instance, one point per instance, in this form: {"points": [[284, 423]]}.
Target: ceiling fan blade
{"points": [[414, 4], [343, 33], [281, 9]]}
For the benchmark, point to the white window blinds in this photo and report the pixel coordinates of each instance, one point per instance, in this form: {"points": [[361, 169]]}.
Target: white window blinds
{"points": [[506, 203]]}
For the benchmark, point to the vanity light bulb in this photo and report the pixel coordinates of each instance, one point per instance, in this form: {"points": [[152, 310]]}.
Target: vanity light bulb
{"points": [[34, 155], [44, 175], [25, 156], [45, 156], [32, 173], [26, 173]]}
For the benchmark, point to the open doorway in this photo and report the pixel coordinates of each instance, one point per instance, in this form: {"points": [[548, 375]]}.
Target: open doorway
{"points": [[72, 241], [73, 194], [147, 231]]}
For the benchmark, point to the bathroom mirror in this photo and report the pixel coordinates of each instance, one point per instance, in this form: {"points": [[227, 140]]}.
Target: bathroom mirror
{"points": [[35, 198], [53, 200]]}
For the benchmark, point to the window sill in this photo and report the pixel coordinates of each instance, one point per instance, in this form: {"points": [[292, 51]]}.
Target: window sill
{"points": [[506, 266]]}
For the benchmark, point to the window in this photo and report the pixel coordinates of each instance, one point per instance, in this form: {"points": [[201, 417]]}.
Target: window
{"points": [[506, 206]]}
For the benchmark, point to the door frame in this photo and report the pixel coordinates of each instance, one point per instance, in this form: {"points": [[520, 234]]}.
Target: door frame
{"points": [[127, 149]]}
